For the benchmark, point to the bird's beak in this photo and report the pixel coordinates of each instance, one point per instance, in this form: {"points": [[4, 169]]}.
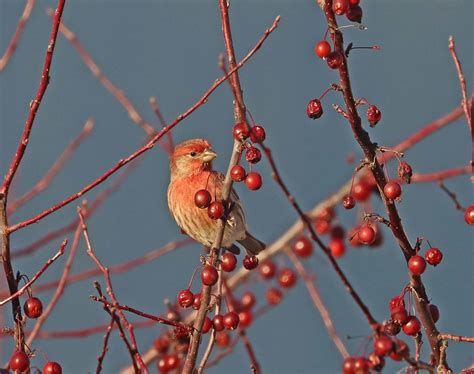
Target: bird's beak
{"points": [[208, 155]]}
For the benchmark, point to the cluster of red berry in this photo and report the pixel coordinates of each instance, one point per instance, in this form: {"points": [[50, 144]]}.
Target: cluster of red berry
{"points": [[19, 360], [383, 347], [256, 133], [253, 180]]}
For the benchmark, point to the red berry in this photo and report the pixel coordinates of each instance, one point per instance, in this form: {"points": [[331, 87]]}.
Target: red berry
{"points": [[257, 134], [327, 214], [399, 314], [373, 115], [246, 318], [222, 339], [197, 301], [314, 109], [238, 173], [287, 278], [354, 13], [253, 155], [433, 256], [181, 332], [396, 301], [378, 238], [162, 344], [274, 296], [383, 345], [228, 262], [241, 131], [250, 262], [202, 199], [231, 320], [348, 202], [322, 226], [267, 269], [253, 181], [391, 328], [161, 365], [469, 215], [215, 210], [405, 171], [417, 265], [361, 365], [338, 232], [337, 247], [348, 365], [19, 361], [375, 362], [218, 322], [303, 247], [185, 298], [412, 327], [354, 2], [52, 367], [392, 190], [339, 7], [172, 361], [33, 307], [335, 59], [366, 234], [361, 190], [247, 300], [353, 238], [206, 325], [322, 49], [401, 350], [209, 275], [434, 311], [173, 315]]}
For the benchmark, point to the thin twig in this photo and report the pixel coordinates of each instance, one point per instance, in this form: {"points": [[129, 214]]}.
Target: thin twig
{"points": [[105, 346], [119, 268], [14, 165], [452, 196], [465, 103], [10, 50], [309, 226], [212, 337], [23, 289], [126, 308], [156, 109], [35, 104], [59, 290], [111, 312], [456, 338], [44, 182], [104, 80], [318, 303], [86, 331], [100, 198], [105, 271]]}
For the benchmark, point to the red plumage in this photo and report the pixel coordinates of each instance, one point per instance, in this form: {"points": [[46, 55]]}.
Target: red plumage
{"points": [[191, 170]]}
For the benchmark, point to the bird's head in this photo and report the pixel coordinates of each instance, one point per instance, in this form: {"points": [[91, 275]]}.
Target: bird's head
{"points": [[191, 156]]}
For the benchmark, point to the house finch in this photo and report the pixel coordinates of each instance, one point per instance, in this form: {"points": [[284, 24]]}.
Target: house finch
{"points": [[191, 171]]}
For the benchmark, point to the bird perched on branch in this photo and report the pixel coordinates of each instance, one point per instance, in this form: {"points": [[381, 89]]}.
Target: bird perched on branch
{"points": [[191, 171]]}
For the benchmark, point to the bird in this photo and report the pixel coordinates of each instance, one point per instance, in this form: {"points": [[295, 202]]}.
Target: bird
{"points": [[190, 171]]}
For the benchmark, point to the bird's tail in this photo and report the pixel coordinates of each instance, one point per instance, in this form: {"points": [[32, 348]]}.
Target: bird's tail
{"points": [[252, 244]]}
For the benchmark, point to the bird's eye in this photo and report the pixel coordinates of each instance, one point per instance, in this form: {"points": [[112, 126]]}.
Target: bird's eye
{"points": [[193, 154]]}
